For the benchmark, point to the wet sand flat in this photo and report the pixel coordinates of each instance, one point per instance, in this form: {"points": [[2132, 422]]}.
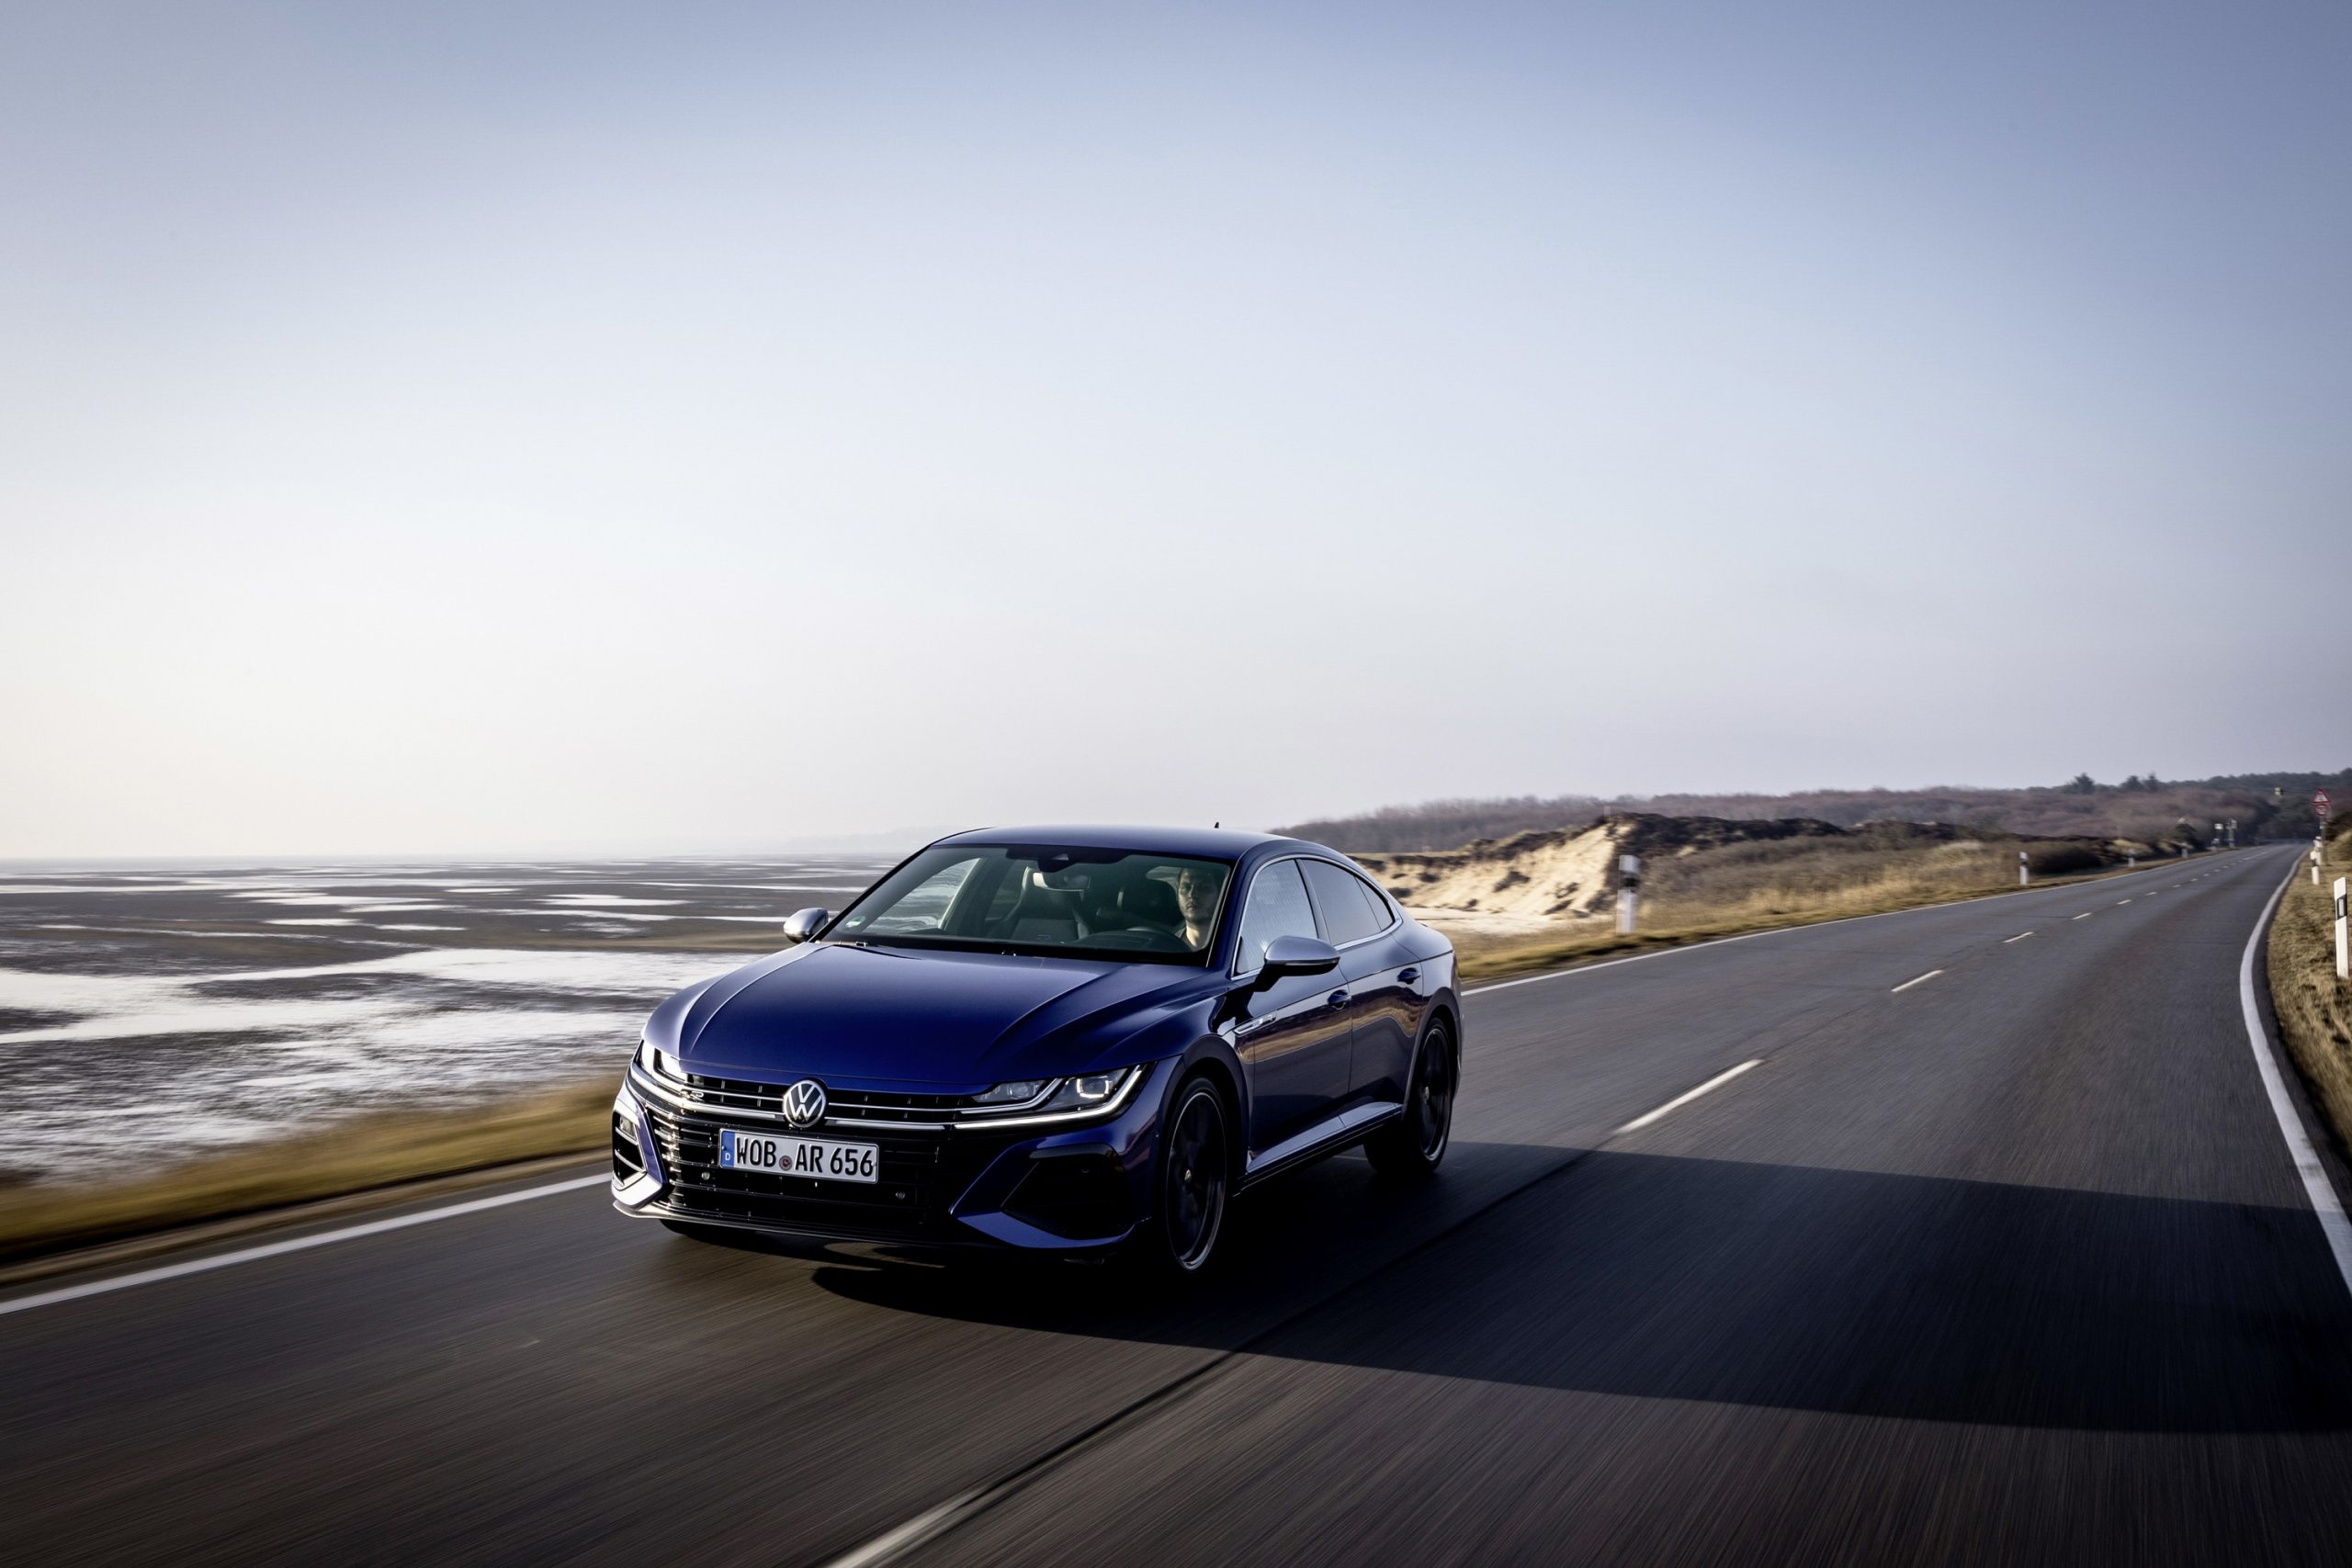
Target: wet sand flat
{"points": [[148, 1012]]}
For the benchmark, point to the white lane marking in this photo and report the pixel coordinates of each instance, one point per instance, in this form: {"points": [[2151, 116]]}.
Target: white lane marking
{"points": [[1751, 936], [297, 1243], [2019, 937], [2087, 914], [2121, 902], [913, 1533], [1661, 953], [1713, 1083], [2321, 1193], [1918, 980]]}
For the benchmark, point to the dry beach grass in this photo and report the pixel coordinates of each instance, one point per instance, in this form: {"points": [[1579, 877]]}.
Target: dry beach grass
{"points": [[366, 1153], [2314, 1008], [1485, 958], [1727, 889]]}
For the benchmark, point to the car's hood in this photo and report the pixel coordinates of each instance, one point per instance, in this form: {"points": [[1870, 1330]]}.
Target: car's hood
{"points": [[960, 1021]]}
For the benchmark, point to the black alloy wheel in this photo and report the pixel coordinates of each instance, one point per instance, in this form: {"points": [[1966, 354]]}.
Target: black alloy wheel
{"points": [[1196, 1169], [1414, 1143]]}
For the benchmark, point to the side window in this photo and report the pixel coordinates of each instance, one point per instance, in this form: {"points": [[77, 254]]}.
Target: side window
{"points": [[1277, 907], [1383, 915], [1349, 912], [925, 908]]}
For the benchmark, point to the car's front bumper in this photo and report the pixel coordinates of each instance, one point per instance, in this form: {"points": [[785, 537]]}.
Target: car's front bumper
{"points": [[1069, 1188]]}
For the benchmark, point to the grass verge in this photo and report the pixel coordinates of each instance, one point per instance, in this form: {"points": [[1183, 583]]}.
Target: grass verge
{"points": [[362, 1154], [1683, 923], [2314, 1008]]}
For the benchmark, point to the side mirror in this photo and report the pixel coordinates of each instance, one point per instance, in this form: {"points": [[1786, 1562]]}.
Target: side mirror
{"points": [[1289, 955], [806, 923]]}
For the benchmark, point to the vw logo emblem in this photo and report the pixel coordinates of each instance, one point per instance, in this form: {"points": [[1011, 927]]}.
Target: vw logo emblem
{"points": [[804, 1103]]}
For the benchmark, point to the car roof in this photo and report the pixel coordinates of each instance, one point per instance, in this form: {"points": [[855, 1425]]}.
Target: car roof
{"points": [[1211, 843]]}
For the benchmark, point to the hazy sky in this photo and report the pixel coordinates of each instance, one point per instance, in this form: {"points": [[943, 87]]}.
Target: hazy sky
{"points": [[478, 427]]}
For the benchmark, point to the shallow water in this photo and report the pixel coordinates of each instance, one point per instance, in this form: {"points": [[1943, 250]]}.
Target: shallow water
{"points": [[204, 1009]]}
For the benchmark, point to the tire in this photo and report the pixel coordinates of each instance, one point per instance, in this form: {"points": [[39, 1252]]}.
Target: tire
{"points": [[1413, 1144], [1195, 1182]]}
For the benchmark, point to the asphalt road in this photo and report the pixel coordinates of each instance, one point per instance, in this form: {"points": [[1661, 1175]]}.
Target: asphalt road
{"points": [[2010, 1264]]}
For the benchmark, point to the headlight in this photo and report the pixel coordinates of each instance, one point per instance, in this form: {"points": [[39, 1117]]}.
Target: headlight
{"points": [[1086, 1090], [1074, 1095], [660, 1063]]}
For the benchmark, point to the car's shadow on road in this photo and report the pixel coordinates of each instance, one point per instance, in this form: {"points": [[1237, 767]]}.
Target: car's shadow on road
{"points": [[1811, 1289]]}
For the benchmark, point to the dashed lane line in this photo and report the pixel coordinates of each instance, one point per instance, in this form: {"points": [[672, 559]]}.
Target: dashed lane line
{"points": [[1917, 980], [906, 1537], [1638, 1122]]}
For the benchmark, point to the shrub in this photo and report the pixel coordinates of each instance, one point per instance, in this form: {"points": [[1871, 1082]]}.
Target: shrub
{"points": [[2057, 859]]}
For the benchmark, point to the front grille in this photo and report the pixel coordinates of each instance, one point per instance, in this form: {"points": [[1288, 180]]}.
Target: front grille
{"points": [[921, 1175], [739, 1094], [867, 1106]]}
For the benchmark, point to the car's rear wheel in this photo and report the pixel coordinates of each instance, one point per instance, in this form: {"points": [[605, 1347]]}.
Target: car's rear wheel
{"points": [[1413, 1144], [1195, 1177]]}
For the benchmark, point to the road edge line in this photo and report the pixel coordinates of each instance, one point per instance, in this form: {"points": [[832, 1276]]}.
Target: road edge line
{"points": [[292, 1243], [2332, 1222]]}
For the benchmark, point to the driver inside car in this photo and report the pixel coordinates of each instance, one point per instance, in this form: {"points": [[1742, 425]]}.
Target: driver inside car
{"points": [[1196, 895], [1178, 907]]}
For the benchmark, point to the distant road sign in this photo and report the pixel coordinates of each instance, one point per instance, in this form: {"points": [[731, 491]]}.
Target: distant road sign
{"points": [[2319, 804]]}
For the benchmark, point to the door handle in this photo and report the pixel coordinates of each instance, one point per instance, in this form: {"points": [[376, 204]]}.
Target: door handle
{"points": [[1405, 977], [1337, 998]]}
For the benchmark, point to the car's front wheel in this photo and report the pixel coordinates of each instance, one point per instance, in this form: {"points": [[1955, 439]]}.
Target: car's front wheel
{"points": [[1413, 1144], [1195, 1177]]}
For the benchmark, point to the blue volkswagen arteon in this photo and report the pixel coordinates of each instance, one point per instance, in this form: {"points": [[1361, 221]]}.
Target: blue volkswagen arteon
{"points": [[1051, 1039]]}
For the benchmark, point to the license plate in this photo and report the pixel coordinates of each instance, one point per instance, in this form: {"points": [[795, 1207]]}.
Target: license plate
{"points": [[780, 1155]]}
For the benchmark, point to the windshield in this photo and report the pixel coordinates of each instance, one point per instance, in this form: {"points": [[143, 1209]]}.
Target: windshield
{"points": [[1045, 899]]}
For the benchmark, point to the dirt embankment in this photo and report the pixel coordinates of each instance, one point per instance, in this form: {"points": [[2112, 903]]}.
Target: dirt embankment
{"points": [[1532, 880], [2315, 1007]]}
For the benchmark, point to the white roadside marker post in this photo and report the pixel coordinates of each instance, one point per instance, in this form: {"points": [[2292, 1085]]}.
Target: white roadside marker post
{"points": [[2315, 863], [1629, 870], [2023, 878], [2343, 959]]}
